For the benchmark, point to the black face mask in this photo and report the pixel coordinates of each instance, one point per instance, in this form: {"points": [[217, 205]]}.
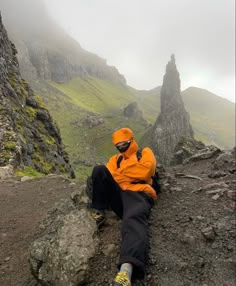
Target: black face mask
{"points": [[123, 146]]}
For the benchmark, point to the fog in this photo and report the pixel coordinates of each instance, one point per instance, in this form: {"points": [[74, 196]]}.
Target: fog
{"points": [[138, 37]]}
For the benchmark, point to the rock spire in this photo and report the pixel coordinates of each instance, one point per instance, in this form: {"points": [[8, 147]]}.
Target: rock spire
{"points": [[173, 123]]}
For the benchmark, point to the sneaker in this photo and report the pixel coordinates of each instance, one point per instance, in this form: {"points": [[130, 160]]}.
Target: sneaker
{"points": [[121, 279], [98, 216]]}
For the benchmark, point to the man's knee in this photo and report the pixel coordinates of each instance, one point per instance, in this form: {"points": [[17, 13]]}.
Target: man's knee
{"points": [[99, 170]]}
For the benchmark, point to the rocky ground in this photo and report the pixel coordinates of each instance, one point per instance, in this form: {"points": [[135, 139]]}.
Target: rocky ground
{"points": [[23, 205], [192, 228]]}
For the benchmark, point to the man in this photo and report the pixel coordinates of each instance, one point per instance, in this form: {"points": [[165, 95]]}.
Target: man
{"points": [[124, 185]]}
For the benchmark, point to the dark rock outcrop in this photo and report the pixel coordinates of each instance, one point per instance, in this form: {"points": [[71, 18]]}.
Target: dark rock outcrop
{"points": [[173, 123], [185, 148], [28, 135], [132, 111]]}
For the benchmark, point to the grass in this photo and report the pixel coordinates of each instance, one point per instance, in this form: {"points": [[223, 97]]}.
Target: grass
{"points": [[29, 171]]}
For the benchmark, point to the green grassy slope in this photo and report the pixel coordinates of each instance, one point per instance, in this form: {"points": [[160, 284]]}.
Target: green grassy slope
{"points": [[212, 117], [71, 103]]}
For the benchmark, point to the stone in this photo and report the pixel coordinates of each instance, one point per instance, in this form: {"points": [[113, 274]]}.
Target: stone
{"points": [[215, 186], [205, 153], [109, 250], [185, 149], [173, 122], [26, 178], [208, 233], [6, 172], [225, 161], [231, 194], [217, 174], [61, 257]]}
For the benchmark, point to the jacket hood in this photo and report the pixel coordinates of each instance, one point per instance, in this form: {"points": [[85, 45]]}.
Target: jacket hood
{"points": [[123, 134]]}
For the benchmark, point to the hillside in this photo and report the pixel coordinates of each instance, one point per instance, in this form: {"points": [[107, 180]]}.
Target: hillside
{"points": [[88, 110], [30, 141], [212, 117]]}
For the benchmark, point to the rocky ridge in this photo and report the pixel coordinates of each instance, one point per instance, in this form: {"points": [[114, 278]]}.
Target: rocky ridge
{"points": [[28, 135]]}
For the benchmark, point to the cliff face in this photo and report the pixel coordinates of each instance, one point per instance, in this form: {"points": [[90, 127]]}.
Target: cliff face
{"points": [[173, 123], [45, 51], [28, 135]]}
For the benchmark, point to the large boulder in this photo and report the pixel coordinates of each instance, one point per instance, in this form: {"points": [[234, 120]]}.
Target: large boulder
{"points": [[226, 161], [60, 257], [185, 149]]}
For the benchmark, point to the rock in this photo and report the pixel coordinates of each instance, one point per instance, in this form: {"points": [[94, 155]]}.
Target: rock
{"points": [[188, 239], [173, 123], [216, 197], [26, 178], [6, 172], [231, 195], [217, 174], [109, 250], [132, 111], [208, 233], [61, 257], [206, 153], [215, 186], [185, 149], [7, 259], [217, 191], [225, 162]]}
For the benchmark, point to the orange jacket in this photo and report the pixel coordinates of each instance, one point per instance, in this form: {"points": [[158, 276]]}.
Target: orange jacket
{"points": [[131, 170]]}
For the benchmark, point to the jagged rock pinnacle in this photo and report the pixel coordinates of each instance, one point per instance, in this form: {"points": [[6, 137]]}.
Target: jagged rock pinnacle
{"points": [[173, 123]]}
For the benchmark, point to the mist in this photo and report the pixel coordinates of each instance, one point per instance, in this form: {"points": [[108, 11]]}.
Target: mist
{"points": [[138, 36]]}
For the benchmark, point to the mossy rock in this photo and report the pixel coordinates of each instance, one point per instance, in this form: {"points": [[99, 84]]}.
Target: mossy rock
{"points": [[11, 145], [31, 112]]}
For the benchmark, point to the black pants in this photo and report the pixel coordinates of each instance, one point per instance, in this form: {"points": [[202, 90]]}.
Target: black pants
{"points": [[134, 210]]}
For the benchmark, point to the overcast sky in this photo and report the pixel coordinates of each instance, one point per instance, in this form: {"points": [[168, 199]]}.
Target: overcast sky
{"points": [[138, 37]]}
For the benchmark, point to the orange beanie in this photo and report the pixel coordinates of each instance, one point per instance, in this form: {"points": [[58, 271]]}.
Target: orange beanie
{"points": [[123, 134]]}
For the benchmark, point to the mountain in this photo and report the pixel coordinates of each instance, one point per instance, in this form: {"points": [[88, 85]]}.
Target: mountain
{"points": [[86, 97], [212, 117], [46, 51], [30, 140]]}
